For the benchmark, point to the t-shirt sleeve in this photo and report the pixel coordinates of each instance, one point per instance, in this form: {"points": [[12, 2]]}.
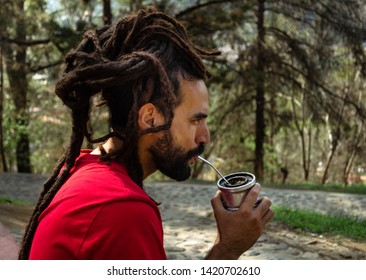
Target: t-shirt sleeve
{"points": [[124, 230]]}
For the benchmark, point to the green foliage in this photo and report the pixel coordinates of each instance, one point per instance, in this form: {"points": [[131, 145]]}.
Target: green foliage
{"points": [[50, 126], [310, 221], [11, 130]]}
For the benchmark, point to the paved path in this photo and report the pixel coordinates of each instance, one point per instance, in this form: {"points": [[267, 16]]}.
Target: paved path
{"points": [[187, 216], [190, 227]]}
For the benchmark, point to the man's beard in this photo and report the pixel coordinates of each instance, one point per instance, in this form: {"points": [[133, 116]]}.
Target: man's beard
{"points": [[171, 160]]}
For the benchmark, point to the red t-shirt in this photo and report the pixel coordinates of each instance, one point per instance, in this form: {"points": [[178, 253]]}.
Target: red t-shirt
{"points": [[99, 213]]}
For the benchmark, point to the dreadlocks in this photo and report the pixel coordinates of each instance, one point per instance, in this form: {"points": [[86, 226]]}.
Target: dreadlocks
{"points": [[137, 60]]}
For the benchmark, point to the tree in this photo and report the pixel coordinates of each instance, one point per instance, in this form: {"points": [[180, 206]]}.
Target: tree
{"points": [[15, 61], [282, 43], [260, 93], [354, 147], [276, 92], [107, 12], [2, 150], [33, 47]]}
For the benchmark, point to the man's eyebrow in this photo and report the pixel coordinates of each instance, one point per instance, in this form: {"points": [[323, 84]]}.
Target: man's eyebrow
{"points": [[200, 115]]}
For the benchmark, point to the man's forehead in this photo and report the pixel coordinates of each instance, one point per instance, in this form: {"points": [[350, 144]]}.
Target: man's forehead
{"points": [[193, 91]]}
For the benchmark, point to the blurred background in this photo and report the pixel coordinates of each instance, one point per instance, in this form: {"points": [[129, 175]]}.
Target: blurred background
{"points": [[287, 94]]}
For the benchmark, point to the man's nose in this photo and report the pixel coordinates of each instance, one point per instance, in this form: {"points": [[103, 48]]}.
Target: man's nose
{"points": [[203, 134]]}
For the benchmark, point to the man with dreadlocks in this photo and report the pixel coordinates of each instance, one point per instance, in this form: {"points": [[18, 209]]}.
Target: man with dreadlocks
{"points": [[151, 77]]}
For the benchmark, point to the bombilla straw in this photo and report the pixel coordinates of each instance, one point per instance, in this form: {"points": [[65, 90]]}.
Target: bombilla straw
{"points": [[217, 171]]}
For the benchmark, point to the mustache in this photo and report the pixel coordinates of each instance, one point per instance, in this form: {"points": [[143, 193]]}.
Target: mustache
{"points": [[196, 151]]}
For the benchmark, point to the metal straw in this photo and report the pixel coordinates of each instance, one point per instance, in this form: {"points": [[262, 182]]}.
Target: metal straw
{"points": [[218, 172]]}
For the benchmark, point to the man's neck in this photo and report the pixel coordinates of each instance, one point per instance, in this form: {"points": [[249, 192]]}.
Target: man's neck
{"points": [[114, 143]]}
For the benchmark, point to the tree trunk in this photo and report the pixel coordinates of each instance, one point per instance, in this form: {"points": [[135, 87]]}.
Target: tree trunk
{"points": [[352, 156], [15, 59], [332, 152], [260, 100], [307, 163], [107, 12], [304, 156], [306, 151], [2, 152], [334, 144]]}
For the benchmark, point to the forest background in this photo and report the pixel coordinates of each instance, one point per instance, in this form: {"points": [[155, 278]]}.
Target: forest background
{"points": [[287, 95]]}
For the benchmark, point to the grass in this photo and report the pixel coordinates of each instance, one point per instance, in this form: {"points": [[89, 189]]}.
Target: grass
{"points": [[355, 189], [314, 222], [13, 201]]}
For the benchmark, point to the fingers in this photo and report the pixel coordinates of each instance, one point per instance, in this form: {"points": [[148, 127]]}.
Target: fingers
{"points": [[251, 203], [251, 199], [268, 215], [264, 205], [239, 230]]}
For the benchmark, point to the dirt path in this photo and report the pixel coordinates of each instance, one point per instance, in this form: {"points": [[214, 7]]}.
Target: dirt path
{"points": [[326, 247], [15, 218]]}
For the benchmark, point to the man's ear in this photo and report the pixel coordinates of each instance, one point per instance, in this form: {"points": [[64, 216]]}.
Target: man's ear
{"points": [[149, 116]]}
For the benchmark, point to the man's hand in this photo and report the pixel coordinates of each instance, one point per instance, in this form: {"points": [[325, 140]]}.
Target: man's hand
{"points": [[239, 230]]}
